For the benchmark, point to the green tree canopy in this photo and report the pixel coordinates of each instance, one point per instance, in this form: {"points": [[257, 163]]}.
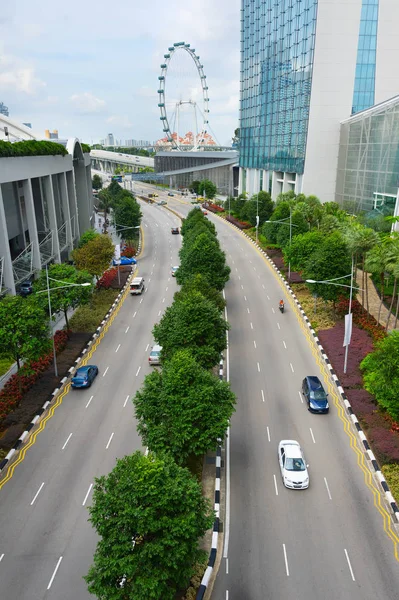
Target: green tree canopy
{"points": [[183, 410], [207, 189], [97, 182], [204, 256], [127, 213], [330, 260], [302, 248], [260, 204], [199, 283], [149, 514], [192, 322], [194, 218], [299, 225], [24, 330], [195, 186], [381, 374], [87, 236], [281, 212], [95, 256], [66, 297]]}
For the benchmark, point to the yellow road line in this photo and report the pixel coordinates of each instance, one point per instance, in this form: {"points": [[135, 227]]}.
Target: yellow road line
{"points": [[353, 440]]}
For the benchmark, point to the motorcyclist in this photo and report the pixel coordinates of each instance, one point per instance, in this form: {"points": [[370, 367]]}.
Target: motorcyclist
{"points": [[281, 305]]}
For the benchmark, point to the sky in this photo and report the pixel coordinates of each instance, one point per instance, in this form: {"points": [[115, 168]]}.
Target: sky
{"points": [[91, 68]]}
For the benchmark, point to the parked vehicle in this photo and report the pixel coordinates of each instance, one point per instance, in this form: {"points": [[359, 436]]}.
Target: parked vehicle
{"points": [[155, 355], [84, 376], [293, 466], [124, 260], [315, 394], [137, 286], [26, 288]]}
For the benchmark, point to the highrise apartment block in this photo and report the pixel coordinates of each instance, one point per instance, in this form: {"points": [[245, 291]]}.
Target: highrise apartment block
{"points": [[307, 65]]}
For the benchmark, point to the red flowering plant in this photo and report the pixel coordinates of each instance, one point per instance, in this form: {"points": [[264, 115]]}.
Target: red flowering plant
{"points": [[238, 223], [362, 319], [213, 207], [106, 280], [129, 252]]}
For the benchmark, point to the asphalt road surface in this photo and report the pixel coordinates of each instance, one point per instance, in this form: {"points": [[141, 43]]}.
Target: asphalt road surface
{"points": [[46, 541]]}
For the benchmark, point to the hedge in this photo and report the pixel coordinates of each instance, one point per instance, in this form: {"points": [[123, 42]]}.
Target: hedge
{"points": [[86, 148], [31, 148]]}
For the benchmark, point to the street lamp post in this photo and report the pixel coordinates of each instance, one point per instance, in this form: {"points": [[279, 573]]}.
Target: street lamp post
{"points": [[257, 216], [123, 228], [291, 225], [348, 317], [48, 290]]}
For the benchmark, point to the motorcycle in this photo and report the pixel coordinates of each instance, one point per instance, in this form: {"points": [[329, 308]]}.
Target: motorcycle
{"points": [[281, 307]]}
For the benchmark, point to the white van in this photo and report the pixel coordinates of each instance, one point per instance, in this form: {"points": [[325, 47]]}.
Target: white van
{"points": [[137, 286]]}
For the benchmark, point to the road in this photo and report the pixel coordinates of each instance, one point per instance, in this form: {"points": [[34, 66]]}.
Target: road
{"points": [[328, 542], [46, 543]]}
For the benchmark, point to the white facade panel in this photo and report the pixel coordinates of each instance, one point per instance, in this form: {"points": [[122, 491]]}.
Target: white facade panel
{"points": [[387, 77], [332, 92]]}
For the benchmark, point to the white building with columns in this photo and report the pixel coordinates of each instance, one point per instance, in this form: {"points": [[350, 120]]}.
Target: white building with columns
{"points": [[46, 203]]}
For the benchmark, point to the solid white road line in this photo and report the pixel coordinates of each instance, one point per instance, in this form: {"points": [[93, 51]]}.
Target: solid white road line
{"points": [[118, 348], [135, 314], [252, 326], [125, 402], [350, 566], [69, 437], [263, 395], [147, 346], [254, 344], [109, 441], [91, 398], [268, 433], [286, 561], [300, 396], [292, 368], [311, 433], [328, 489], [275, 484], [1, 557], [258, 367], [55, 572], [105, 372], [138, 371], [87, 494], [37, 493], [127, 329], [227, 463], [227, 594], [227, 565], [285, 345]]}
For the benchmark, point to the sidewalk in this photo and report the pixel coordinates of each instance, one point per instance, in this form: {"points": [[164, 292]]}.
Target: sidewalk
{"points": [[374, 301]]}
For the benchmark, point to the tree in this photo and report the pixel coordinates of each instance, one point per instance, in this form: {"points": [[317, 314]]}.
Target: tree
{"points": [[302, 248], [236, 138], [299, 225], [66, 297], [196, 218], [95, 256], [127, 213], [260, 204], [330, 261], [149, 514], [360, 240], [183, 410], [280, 213], [204, 256], [105, 204], [381, 374], [87, 236], [199, 283], [207, 189], [192, 322], [237, 205], [24, 331], [97, 182], [377, 261], [195, 187]]}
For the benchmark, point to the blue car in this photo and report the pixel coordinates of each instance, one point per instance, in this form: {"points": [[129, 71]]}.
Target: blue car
{"points": [[315, 395], [124, 260], [84, 376]]}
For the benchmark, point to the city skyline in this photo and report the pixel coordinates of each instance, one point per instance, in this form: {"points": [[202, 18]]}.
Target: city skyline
{"points": [[98, 78]]}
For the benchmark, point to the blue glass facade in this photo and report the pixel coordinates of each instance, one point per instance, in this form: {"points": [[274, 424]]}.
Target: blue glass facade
{"points": [[277, 48], [363, 96]]}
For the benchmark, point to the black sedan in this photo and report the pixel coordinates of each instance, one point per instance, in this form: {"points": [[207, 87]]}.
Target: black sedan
{"points": [[315, 395], [175, 230]]}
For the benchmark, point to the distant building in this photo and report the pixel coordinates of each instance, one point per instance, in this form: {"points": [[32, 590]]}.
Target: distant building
{"points": [[4, 109], [28, 125], [51, 135], [109, 140], [138, 143]]}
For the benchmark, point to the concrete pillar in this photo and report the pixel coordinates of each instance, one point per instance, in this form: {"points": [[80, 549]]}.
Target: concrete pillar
{"points": [[90, 196], [32, 225], [249, 185], [5, 254], [240, 180], [265, 180], [82, 196], [286, 185], [298, 184], [275, 186], [48, 187], [73, 205], [256, 181], [66, 211]]}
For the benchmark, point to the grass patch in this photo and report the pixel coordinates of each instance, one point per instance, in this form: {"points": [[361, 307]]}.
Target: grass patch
{"points": [[87, 318], [391, 474], [5, 363], [325, 317]]}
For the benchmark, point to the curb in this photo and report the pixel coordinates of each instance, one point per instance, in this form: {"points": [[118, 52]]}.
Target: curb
{"points": [[387, 492], [64, 380]]}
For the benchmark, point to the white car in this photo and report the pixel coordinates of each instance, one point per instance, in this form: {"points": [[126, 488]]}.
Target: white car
{"points": [[155, 355], [293, 465], [173, 271]]}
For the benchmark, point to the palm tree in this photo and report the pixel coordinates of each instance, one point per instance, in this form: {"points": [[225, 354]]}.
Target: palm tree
{"points": [[361, 240], [393, 269], [105, 204], [377, 260]]}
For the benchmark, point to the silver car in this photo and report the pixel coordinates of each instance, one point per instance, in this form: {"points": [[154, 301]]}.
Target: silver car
{"points": [[293, 466], [155, 355]]}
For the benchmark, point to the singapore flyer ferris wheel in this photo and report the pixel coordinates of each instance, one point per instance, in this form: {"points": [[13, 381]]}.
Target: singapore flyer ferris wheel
{"points": [[183, 100]]}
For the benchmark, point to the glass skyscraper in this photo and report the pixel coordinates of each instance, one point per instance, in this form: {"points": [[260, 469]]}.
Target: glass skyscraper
{"points": [[307, 65]]}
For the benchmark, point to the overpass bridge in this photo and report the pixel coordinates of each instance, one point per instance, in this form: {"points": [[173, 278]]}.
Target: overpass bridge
{"points": [[106, 161]]}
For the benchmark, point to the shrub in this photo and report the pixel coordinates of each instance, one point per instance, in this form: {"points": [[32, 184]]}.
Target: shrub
{"points": [[129, 252], [391, 473], [238, 223], [85, 148], [213, 207], [106, 280], [362, 319], [385, 443], [31, 148], [87, 318]]}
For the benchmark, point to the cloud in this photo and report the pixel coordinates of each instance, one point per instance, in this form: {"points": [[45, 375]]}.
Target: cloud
{"points": [[120, 121], [86, 103], [17, 75]]}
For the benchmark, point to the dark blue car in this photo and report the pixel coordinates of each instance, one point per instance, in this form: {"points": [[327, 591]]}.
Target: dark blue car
{"points": [[84, 376], [315, 395]]}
